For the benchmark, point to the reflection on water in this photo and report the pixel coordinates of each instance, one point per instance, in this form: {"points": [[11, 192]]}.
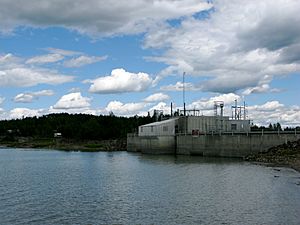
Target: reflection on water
{"points": [[52, 187]]}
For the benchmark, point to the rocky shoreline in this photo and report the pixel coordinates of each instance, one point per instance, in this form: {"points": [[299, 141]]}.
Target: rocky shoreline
{"points": [[283, 155]]}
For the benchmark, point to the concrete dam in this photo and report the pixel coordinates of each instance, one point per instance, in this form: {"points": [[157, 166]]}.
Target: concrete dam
{"points": [[205, 136]]}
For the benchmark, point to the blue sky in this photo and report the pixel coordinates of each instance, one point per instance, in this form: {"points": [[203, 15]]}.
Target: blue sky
{"points": [[129, 57]]}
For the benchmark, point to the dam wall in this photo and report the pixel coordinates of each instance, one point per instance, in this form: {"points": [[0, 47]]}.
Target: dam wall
{"points": [[234, 145], [151, 144], [217, 145]]}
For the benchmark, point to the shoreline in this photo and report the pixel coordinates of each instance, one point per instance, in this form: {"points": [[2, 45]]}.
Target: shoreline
{"points": [[66, 144], [285, 155], [274, 164]]}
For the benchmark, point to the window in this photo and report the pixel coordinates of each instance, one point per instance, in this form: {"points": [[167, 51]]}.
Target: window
{"points": [[165, 128], [151, 128], [233, 126]]}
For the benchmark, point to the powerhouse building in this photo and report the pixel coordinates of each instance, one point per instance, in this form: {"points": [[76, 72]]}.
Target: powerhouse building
{"points": [[194, 125]]}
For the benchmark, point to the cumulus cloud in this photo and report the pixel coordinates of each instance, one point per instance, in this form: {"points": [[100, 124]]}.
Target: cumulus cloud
{"points": [[157, 97], [268, 106], [162, 106], [124, 109], [72, 101], [83, 60], [235, 47], [121, 81], [98, 16], [29, 97], [273, 112], [19, 113], [206, 105]]}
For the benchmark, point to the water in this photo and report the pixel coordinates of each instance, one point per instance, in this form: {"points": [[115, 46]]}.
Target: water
{"points": [[53, 187]]}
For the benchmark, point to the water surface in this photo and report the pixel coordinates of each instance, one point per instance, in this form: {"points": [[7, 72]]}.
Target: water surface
{"points": [[55, 187]]}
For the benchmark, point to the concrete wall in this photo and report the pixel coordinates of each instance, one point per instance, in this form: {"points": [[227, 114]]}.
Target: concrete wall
{"points": [[225, 145], [238, 145], [133, 143], [151, 144]]}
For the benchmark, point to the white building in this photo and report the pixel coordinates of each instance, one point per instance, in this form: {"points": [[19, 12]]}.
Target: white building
{"points": [[194, 125]]}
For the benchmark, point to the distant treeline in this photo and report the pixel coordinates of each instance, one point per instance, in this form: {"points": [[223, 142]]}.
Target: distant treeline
{"points": [[73, 126], [273, 127]]}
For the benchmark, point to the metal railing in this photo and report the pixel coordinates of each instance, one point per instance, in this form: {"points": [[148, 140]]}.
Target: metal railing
{"points": [[232, 133]]}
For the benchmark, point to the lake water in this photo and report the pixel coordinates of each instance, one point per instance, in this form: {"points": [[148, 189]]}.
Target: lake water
{"points": [[55, 187]]}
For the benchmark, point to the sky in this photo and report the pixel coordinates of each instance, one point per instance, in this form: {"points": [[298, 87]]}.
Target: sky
{"points": [[129, 57]]}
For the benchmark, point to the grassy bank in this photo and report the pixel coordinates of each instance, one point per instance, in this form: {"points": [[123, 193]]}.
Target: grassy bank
{"points": [[283, 155], [65, 144]]}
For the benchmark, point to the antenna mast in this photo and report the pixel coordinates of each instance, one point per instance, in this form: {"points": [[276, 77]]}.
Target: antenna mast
{"points": [[183, 90]]}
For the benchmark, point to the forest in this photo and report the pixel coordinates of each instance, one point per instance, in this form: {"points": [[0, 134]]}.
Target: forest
{"points": [[73, 126], [86, 127]]}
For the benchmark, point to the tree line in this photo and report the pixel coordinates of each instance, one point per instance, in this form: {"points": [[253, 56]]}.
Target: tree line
{"points": [[73, 126], [273, 127]]}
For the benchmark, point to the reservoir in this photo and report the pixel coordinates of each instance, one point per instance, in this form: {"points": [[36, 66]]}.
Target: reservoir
{"points": [[56, 187]]}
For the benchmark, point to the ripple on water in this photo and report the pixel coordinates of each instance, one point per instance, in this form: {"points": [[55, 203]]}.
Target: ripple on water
{"points": [[52, 187]]}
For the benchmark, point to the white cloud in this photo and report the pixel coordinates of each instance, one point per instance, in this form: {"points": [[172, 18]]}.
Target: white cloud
{"points": [[157, 97], [179, 87], [124, 109], [74, 89], [14, 73], [25, 77], [121, 81], [268, 106], [262, 87], [31, 96], [98, 16], [1, 100], [273, 112], [72, 101], [208, 104], [63, 52], [43, 59], [83, 60], [162, 106], [19, 113], [8, 60], [239, 44]]}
